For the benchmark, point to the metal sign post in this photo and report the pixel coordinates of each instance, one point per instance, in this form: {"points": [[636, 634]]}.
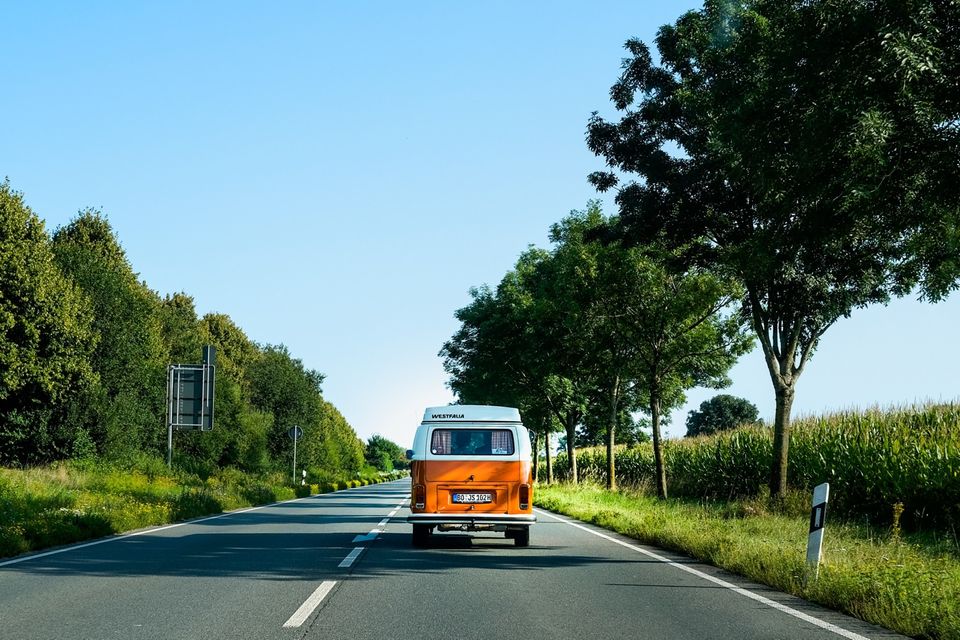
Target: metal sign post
{"points": [[190, 392], [295, 434], [818, 516]]}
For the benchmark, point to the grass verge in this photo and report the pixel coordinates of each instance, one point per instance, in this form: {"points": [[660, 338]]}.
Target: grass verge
{"points": [[65, 503], [906, 582]]}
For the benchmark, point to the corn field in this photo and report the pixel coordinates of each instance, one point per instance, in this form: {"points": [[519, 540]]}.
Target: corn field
{"points": [[872, 459]]}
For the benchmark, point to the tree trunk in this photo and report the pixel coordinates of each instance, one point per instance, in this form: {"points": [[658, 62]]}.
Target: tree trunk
{"points": [[611, 434], [536, 455], [549, 461], [658, 448], [783, 339], [781, 441], [571, 425]]}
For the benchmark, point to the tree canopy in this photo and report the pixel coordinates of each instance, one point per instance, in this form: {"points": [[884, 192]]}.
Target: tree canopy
{"points": [[821, 187], [652, 331], [591, 329], [385, 454], [121, 411], [508, 351], [46, 338], [720, 413], [84, 346]]}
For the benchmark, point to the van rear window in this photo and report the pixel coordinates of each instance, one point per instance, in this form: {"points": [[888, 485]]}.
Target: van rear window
{"points": [[472, 442]]}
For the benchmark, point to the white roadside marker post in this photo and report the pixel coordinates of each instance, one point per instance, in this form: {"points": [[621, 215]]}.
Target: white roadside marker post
{"points": [[818, 514]]}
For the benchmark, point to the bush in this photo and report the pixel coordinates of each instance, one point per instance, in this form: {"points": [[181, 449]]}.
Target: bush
{"points": [[194, 503]]}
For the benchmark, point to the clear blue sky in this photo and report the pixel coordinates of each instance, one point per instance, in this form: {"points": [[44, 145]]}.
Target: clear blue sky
{"points": [[335, 176]]}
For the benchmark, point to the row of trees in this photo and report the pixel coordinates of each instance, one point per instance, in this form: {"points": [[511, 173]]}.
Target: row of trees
{"points": [[84, 346], [787, 160], [591, 332]]}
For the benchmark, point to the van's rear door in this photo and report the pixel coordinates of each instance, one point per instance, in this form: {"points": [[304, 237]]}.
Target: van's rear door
{"points": [[474, 469]]}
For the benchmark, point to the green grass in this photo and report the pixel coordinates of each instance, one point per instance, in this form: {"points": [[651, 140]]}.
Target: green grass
{"points": [[906, 582], [65, 503]]}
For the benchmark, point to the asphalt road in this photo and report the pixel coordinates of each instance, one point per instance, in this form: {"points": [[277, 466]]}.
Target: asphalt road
{"points": [[341, 566]]}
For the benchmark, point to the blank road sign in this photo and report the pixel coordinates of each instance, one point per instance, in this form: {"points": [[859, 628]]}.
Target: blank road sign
{"points": [[190, 390]]}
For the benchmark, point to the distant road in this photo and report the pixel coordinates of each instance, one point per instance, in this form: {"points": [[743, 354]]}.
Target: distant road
{"points": [[341, 566]]}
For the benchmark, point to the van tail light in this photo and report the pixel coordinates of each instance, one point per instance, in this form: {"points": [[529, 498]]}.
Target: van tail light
{"points": [[524, 496], [419, 496]]}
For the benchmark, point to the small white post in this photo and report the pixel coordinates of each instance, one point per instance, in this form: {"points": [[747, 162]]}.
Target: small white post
{"points": [[818, 515]]}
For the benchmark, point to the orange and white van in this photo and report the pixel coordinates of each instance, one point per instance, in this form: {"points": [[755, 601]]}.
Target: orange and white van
{"points": [[471, 470]]}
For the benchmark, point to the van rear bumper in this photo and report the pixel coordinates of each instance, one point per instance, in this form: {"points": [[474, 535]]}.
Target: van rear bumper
{"points": [[471, 518]]}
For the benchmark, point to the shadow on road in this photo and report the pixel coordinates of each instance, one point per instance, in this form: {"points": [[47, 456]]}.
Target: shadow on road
{"points": [[269, 554]]}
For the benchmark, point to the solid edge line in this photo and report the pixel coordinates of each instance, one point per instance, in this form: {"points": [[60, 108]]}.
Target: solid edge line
{"points": [[309, 605], [141, 532], [840, 631], [351, 558]]}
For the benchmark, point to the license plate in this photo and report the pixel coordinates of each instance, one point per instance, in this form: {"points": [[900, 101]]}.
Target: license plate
{"points": [[472, 498]]}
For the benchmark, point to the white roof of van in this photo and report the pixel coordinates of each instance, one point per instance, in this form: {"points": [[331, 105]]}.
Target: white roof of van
{"points": [[471, 413]]}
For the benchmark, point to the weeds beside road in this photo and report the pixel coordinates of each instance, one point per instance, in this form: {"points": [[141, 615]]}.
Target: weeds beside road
{"points": [[907, 582]]}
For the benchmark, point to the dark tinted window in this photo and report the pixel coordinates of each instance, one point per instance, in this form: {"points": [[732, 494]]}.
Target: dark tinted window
{"points": [[472, 442]]}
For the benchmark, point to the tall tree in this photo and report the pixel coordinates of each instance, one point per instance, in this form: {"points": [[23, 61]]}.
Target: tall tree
{"points": [[344, 450], [180, 329], [587, 304], [655, 331], [283, 386], [235, 351], [809, 149], [503, 352], [126, 413], [46, 338], [566, 345], [239, 438], [384, 454], [683, 337], [720, 413]]}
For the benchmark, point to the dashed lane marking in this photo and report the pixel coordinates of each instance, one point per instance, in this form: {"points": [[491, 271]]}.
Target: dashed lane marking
{"points": [[370, 537], [310, 604], [351, 557]]}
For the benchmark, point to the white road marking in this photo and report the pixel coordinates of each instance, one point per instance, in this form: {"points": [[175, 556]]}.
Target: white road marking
{"points": [[723, 583], [351, 557], [392, 513], [370, 537], [300, 615], [383, 522]]}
